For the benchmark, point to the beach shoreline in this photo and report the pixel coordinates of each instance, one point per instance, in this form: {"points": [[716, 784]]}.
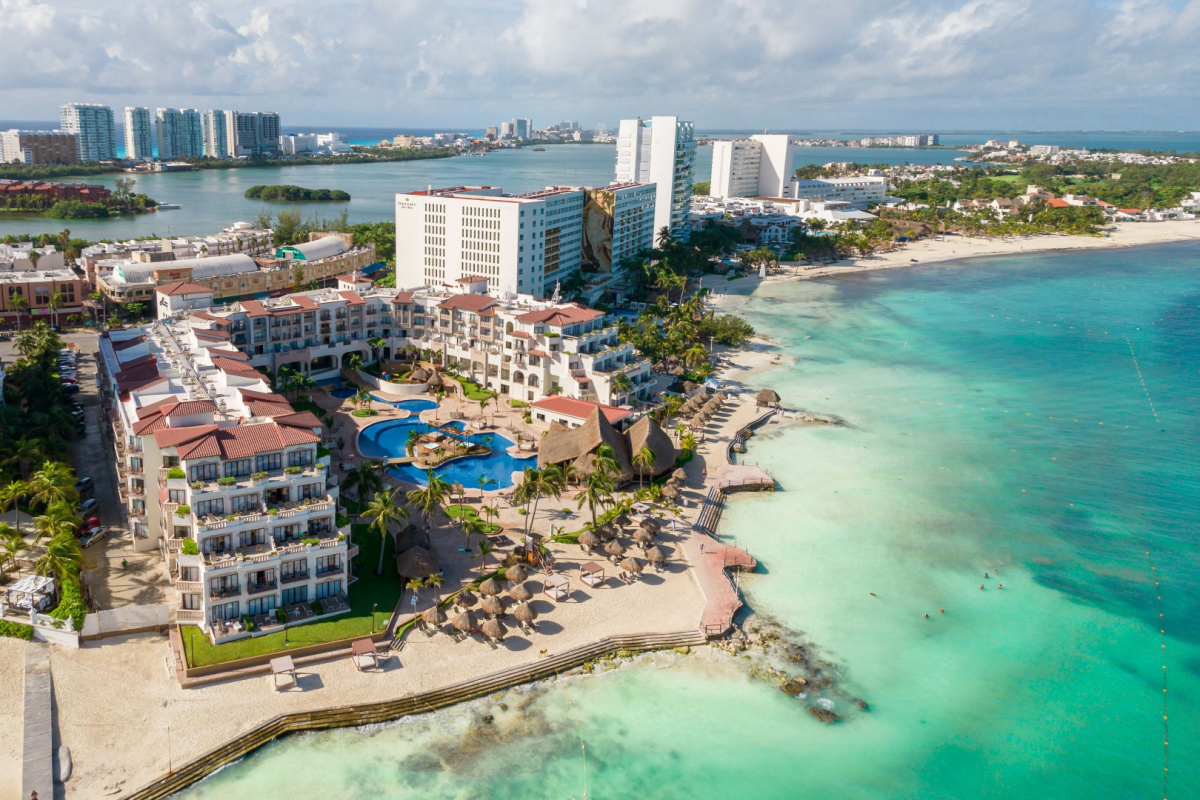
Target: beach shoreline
{"points": [[961, 248]]}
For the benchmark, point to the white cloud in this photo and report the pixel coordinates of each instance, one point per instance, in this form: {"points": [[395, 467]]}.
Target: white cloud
{"points": [[747, 63]]}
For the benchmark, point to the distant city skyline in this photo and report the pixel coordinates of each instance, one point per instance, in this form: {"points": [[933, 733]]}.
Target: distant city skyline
{"points": [[950, 65]]}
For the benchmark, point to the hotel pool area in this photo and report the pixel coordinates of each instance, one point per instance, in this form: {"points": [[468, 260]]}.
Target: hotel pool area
{"points": [[389, 439], [415, 405]]}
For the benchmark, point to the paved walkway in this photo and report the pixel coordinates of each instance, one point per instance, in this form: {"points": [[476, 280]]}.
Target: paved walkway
{"points": [[37, 771]]}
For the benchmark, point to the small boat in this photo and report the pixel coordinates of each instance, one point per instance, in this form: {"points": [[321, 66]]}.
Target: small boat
{"points": [[168, 206], [539, 149]]}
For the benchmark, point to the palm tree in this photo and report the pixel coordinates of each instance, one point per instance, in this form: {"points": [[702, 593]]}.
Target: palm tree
{"points": [[491, 512], [485, 550], [643, 462], [597, 491], [285, 380], [58, 520], [12, 494], [695, 356], [19, 304], [12, 542], [366, 479], [23, 453], [606, 462], [304, 383], [414, 438], [382, 511], [664, 236], [53, 483], [56, 302], [62, 557], [354, 361], [27, 343], [434, 582], [483, 480], [544, 482], [483, 402], [376, 344], [555, 389], [688, 442], [430, 498], [362, 399]]}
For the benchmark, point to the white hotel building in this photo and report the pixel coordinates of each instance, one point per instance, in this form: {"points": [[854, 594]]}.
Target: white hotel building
{"points": [[760, 166], [522, 244], [663, 152], [858, 192], [224, 478]]}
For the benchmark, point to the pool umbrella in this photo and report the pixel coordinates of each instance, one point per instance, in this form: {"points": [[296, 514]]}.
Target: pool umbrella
{"points": [[465, 598], [420, 375], [656, 555], [492, 605], [490, 588], [650, 524], [589, 539], [621, 520], [607, 531], [433, 616], [520, 593], [525, 613], [515, 574], [614, 548], [631, 564], [643, 537], [464, 622], [494, 629]]}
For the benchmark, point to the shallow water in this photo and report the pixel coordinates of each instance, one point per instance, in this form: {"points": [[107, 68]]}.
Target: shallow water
{"points": [[1033, 414]]}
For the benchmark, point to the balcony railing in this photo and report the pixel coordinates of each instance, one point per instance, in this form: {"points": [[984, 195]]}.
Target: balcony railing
{"points": [[259, 588], [323, 571], [293, 577], [228, 591]]}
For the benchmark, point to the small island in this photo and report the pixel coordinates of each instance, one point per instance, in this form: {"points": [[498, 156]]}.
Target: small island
{"points": [[287, 193]]}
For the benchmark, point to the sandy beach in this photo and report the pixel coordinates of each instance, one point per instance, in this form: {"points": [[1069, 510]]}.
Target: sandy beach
{"points": [[934, 250]]}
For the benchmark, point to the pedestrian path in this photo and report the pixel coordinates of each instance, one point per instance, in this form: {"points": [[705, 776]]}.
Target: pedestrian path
{"points": [[37, 771]]}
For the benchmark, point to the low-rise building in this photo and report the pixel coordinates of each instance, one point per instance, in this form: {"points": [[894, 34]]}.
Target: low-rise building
{"points": [[35, 293], [38, 147], [858, 191]]}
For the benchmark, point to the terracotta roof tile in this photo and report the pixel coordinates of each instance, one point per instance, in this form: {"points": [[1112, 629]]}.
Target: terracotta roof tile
{"points": [[125, 344], [470, 302], [352, 298], [182, 287], [579, 409], [563, 315], [402, 298], [234, 367], [173, 437]]}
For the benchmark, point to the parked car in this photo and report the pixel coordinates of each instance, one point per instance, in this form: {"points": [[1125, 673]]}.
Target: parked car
{"points": [[89, 506], [4, 337], [70, 388], [83, 484], [85, 529], [93, 536]]}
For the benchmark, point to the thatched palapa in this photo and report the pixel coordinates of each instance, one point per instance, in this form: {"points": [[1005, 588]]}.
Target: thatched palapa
{"points": [[647, 433], [433, 616], [767, 397], [579, 446], [416, 562]]}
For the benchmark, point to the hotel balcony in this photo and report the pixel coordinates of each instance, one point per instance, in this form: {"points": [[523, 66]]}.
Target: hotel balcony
{"points": [[262, 587], [221, 593]]}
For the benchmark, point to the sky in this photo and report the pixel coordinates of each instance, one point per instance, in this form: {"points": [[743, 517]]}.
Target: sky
{"points": [[735, 64]]}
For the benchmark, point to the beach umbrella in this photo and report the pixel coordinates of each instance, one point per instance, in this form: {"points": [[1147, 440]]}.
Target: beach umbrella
{"points": [[494, 629], [767, 397], [525, 613], [492, 605], [656, 555], [643, 536], [464, 622], [607, 531], [622, 520], [433, 616], [722, 396], [465, 598], [670, 492], [490, 588], [516, 574], [420, 375], [650, 524], [589, 539], [614, 548], [631, 564], [520, 593]]}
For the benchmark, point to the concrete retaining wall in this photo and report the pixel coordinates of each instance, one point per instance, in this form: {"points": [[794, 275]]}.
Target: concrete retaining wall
{"points": [[389, 387]]}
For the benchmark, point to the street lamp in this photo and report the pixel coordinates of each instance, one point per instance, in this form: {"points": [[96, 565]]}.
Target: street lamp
{"points": [[373, 607]]}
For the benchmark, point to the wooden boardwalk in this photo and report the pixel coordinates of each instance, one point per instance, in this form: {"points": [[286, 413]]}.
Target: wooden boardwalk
{"points": [[37, 771]]}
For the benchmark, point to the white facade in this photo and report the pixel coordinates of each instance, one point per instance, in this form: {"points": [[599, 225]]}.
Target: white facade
{"points": [[252, 134], [216, 136], [180, 133], [855, 191], [94, 129], [735, 168], [775, 163], [521, 244], [313, 144], [139, 135], [663, 152]]}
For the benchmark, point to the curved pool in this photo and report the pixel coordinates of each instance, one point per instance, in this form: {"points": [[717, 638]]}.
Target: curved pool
{"points": [[388, 439], [416, 405]]}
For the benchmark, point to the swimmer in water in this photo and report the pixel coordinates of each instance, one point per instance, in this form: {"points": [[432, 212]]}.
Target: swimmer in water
{"points": [[941, 611], [981, 586], [1001, 586], [986, 575], [926, 616]]}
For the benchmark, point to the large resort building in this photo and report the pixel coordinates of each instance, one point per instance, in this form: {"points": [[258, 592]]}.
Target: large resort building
{"points": [[224, 478]]}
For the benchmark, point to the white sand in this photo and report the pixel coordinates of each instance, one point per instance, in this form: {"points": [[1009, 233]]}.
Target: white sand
{"points": [[933, 250], [12, 705]]}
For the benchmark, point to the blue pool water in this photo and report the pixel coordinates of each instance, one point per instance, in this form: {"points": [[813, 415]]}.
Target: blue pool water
{"points": [[389, 440], [416, 405], [343, 393]]}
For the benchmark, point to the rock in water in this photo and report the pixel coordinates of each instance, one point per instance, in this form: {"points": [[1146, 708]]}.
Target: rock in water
{"points": [[823, 714], [793, 687]]}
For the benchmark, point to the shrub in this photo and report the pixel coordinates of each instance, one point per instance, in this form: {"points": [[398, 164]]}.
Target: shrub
{"points": [[226, 481], [341, 537], [259, 476], [197, 485], [341, 520], [281, 615], [316, 607], [16, 630], [522, 511], [272, 511], [189, 548], [247, 622], [183, 511], [311, 540], [71, 603], [293, 470], [176, 473], [230, 517]]}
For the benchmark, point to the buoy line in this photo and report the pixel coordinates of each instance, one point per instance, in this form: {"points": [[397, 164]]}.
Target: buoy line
{"points": [[1142, 378]]}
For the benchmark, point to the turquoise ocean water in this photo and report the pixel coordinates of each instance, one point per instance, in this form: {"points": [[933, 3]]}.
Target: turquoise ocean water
{"points": [[1033, 414]]}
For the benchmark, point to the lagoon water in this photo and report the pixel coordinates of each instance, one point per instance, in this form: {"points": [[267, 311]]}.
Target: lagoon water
{"points": [[1033, 414]]}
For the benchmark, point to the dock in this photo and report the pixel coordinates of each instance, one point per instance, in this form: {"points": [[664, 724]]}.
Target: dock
{"points": [[37, 770]]}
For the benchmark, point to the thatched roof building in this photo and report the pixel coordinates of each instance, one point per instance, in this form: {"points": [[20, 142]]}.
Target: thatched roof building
{"points": [[416, 562], [647, 433], [767, 397], [579, 446]]}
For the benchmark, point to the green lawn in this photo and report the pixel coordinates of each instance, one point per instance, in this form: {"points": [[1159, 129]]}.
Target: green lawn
{"points": [[457, 511], [473, 390], [370, 589]]}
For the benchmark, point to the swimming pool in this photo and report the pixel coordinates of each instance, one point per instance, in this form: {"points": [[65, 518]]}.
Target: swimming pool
{"points": [[415, 405], [389, 439]]}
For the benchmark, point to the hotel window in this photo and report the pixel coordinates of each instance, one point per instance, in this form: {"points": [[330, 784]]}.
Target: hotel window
{"points": [[245, 502], [206, 507], [270, 461], [329, 589], [237, 469], [297, 594], [204, 472], [176, 495]]}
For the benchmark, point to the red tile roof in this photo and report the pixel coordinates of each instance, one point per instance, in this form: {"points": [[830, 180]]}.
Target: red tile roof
{"points": [[299, 419], [304, 301], [521, 334], [234, 367], [253, 308], [244, 440], [211, 335], [1057, 203], [269, 397], [125, 344], [471, 279], [352, 278], [563, 315], [182, 287], [211, 318], [173, 437], [580, 409], [352, 298], [236, 355], [403, 297], [470, 302]]}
